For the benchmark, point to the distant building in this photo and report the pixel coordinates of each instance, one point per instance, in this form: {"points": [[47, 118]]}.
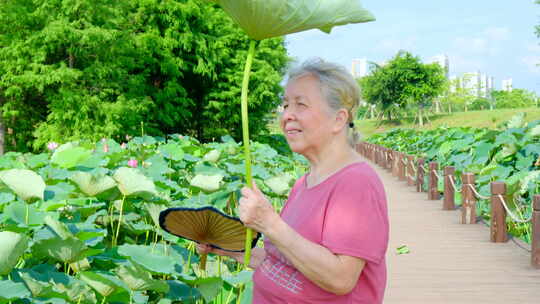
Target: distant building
{"points": [[476, 83], [471, 82], [506, 85], [454, 83], [442, 61], [359, 67], [486, 86]]}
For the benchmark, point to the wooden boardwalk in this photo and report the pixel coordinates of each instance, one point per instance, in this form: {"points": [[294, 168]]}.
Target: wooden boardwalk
{"points": [[450, 262]]}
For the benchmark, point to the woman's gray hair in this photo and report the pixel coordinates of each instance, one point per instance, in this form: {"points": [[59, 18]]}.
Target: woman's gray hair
{"points": [[337, 86]]}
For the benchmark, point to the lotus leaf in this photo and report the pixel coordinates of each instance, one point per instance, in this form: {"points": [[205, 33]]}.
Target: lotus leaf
{"points": [[104, 283], [13, 291], [25, 183], [92, 185], [133, 182], [13, 246], [278, 184], [158, 260], [207, 183], [137, 278], [212, 156], [69, 155], [271, 18]]}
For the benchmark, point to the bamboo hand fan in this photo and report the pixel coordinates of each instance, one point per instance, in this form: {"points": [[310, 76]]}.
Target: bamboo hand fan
{"points": [[207, 225]]}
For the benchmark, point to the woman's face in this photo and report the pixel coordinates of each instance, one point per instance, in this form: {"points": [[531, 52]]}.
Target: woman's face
{"points": [[307, 119]]}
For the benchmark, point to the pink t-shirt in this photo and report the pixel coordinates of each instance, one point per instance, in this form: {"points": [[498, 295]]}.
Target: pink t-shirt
{"points": [[347, 214]]}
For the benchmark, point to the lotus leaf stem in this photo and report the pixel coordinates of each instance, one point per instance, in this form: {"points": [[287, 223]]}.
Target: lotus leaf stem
{"points": [[119, 220], [245, 133]]}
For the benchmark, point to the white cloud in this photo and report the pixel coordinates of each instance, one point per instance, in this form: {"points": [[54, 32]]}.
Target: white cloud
{"points": [[463, 64], [472, 45], [487, 42], [393, 44], [532, 63], [533, 47], [497, 33]]}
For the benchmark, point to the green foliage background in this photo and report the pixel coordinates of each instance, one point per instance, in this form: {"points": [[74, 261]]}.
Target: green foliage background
{"points": [[80, 69], [403, 81]]}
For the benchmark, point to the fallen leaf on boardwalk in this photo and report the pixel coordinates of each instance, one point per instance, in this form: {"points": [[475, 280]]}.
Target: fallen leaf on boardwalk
{"points": [[403, 249]]}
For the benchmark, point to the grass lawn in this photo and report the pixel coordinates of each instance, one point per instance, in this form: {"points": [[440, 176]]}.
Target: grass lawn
{"points": [[477, 119]]}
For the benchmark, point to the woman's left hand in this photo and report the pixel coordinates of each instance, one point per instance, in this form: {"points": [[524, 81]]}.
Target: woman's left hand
{"points": [[255, 210]]}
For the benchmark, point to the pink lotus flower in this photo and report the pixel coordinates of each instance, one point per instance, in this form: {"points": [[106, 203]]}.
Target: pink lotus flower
{"points": [[123, 146], [52, 146], [106, 148], [132, 163]]}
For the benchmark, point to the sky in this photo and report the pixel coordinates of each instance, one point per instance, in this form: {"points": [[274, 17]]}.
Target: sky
{"points": [[495, 37]]}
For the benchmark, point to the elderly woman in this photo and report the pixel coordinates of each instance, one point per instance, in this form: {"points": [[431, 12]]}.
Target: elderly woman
{"points": [[328, 244]]}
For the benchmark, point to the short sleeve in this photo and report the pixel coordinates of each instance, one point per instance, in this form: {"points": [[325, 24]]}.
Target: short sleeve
{"points": [[356, 218]]}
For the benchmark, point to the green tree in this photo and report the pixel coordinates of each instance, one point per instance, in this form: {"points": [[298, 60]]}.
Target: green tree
{"points": [[517, 98], [81, 69], [403, 81]]}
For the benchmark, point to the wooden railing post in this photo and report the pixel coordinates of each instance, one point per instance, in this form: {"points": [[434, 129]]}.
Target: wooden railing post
{"points": [[535, 241], [433, 192], [410, 171], [449, 192], [420, 175], [498, 213], [390, 160], [468, 199], [402, 168], [395, 163], [377, 158]]}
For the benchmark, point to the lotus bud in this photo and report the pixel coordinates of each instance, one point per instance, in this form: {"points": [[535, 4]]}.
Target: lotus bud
{"points": [[52, 146], [133, 163], [123, 146]]}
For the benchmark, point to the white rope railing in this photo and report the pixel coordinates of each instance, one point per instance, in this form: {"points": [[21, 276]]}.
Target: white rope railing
{"points": [[451, 178], [478, 195], [512, 215], [436, 174]]}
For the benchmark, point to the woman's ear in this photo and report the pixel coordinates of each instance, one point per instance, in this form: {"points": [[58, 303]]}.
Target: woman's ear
{"points": [[341, 120]]}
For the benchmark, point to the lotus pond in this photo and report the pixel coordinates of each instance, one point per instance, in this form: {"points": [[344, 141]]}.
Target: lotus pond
{"points": [[79, 223]]}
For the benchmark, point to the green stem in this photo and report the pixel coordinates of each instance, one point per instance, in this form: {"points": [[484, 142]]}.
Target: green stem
{"points": [[26, 219], [103, 301], [245, 136], [119, 220]]}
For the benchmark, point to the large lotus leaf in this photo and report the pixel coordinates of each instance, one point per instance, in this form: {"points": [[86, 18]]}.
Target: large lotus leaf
{"points": [[172, 151], [279, 184], [104, 283], [535, 131], [209, 287], [137, 278], [207, 183], [271, 18], [13, 246], [58, 227], [25, 183], [132, 182], [66, 250], [68, 156], [92, 185], [13, 291], [156, 259], [212, 156], [24, 214], [179, 291]]}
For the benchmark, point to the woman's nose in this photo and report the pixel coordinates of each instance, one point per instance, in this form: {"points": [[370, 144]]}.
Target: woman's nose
{"points": [[287, 114]]}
